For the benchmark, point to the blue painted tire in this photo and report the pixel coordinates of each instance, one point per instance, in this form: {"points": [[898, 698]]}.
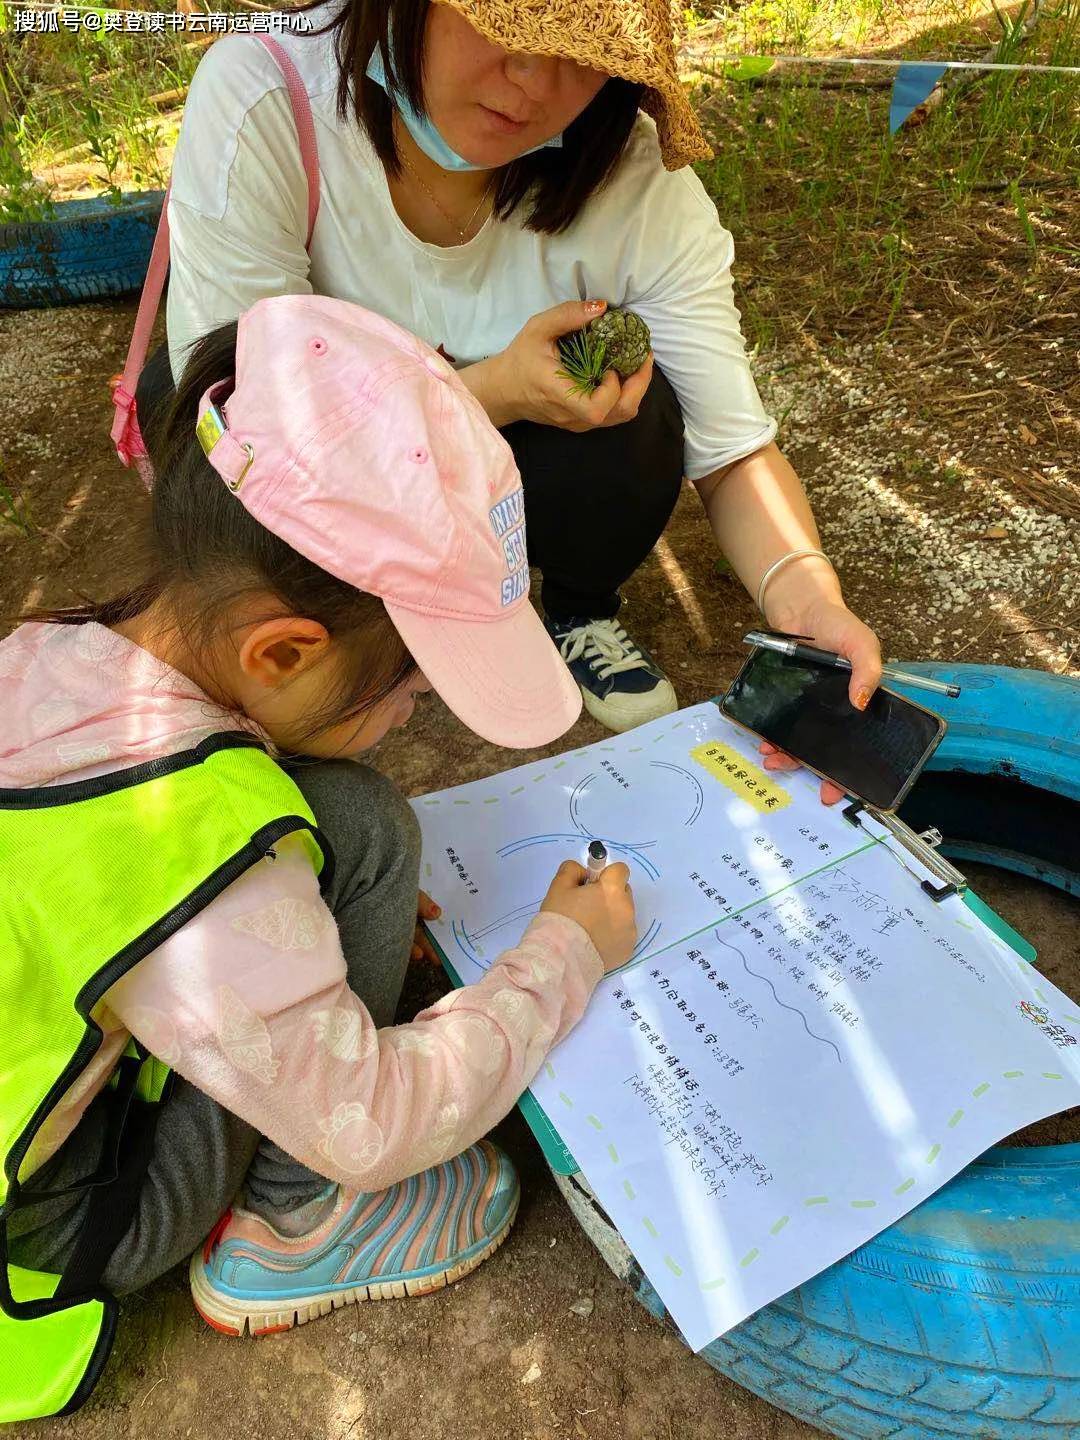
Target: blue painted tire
{"points": [[963, 1318], [89, 250]]}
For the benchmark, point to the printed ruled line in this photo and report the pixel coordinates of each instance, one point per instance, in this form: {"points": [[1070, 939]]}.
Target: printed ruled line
{"points": [[762, 900]]}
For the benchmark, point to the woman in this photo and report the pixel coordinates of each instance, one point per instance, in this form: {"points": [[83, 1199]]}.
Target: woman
{"points": [[486, 171]]}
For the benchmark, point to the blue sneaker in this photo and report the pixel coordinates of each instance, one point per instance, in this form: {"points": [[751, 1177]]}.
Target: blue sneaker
{"points": [[415, 1237], [621, 684]]}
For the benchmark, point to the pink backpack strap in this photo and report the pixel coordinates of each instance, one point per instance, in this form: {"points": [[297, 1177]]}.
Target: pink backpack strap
{"points": [[125, 427], [305, 129]]}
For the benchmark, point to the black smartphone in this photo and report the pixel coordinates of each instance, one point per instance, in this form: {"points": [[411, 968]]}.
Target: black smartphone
{"points": [[874, 754]]}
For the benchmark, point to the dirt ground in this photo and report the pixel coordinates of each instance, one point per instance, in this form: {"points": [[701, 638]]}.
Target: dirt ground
{"points": [[907, 503]]}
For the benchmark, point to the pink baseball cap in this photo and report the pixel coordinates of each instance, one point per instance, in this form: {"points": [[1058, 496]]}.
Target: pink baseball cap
{"points": [[360, 447]]}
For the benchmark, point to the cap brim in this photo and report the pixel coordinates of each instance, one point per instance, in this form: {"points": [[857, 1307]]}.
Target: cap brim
{"points": [[503, 678]]}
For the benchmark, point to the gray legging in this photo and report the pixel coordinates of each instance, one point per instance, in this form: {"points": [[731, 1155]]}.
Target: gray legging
{"points": [[202, 1152]]}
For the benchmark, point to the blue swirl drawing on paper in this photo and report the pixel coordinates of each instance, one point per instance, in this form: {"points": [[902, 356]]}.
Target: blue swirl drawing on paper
{"points": [[632, 851], [620, 846], [520, 913], [582, 787], [469, 942], [695, 783], [466, 940], [582, 829]]}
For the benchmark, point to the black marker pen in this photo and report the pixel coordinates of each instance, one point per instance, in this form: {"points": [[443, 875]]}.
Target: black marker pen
{"points": [[597, 861]]}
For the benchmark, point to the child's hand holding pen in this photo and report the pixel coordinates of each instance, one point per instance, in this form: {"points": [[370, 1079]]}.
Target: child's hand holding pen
{"points": [[605, 908]]}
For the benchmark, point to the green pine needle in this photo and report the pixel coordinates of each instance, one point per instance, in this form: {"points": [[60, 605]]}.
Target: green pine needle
{"points": [[583, 361]]}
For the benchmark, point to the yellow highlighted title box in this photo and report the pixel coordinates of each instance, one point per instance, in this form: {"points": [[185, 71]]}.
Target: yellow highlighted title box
{"points": [[754, 786]]}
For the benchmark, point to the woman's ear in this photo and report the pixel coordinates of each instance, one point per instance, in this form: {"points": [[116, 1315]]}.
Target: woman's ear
{"points": [[275, 651]]}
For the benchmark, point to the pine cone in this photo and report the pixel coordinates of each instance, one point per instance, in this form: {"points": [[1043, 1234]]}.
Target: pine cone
{"points": [[625, 337]]}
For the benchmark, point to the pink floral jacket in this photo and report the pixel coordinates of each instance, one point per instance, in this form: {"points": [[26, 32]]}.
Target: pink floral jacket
{"points": [[249, 1001]]}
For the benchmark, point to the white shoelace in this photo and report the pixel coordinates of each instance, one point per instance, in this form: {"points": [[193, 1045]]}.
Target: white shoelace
{"points": [[605, 645]]}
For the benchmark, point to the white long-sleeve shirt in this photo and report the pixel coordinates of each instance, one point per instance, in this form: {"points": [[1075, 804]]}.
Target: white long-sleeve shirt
{"points": [[650, 240]]}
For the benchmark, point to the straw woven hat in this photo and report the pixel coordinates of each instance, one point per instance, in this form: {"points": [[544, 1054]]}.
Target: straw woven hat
{"points": [[633, 39]]}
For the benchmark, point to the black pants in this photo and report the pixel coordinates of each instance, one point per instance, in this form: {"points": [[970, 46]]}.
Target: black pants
{"points": [[595, 503]]}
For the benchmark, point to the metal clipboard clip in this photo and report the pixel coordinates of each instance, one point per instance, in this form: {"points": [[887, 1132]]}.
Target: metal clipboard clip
{"points": [[923, 846]]}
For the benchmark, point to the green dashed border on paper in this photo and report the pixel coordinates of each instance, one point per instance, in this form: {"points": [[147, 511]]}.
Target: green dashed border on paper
{"points": [[781, 1223]]}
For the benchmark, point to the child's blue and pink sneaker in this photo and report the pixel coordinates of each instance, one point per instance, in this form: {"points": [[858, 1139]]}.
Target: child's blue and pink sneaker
{"points": [[415, 1237]]}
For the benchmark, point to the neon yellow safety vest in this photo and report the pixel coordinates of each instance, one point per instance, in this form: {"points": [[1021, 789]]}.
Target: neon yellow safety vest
{"points": [[96, 875]]}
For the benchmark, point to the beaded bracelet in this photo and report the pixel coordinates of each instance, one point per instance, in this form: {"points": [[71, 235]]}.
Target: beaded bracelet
{"points": [[779, 565]]}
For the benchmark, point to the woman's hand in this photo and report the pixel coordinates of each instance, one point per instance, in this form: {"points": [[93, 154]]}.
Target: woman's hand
{"points": [[830, 625], [523, 383], [605, 908], [426, 909]]}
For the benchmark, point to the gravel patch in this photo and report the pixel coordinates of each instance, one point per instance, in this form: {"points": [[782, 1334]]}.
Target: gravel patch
{"points": [[903, 502]]}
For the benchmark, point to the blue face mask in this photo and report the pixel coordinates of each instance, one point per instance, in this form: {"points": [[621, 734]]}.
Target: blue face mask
{"points": [[424, 132]]}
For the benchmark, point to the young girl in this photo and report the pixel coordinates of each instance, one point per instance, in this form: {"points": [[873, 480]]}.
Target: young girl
{"points": [[335, 530]]}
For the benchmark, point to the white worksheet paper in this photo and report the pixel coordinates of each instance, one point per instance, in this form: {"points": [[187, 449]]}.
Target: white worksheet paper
{"points": [[805, 1043]]}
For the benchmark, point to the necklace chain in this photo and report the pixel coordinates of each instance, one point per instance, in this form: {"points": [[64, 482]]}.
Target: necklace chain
{"points": [[463, 230]]}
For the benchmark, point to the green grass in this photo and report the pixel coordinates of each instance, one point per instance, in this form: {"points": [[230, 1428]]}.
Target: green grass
{"points": [[833, 219], [88, 92], [14, 508], [832, 214], [798, 25]]}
